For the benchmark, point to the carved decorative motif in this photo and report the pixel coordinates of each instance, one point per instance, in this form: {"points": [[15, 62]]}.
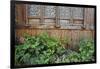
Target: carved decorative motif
{"points": [[50, 11], [77, 13], [33, 10], [65, 12]]}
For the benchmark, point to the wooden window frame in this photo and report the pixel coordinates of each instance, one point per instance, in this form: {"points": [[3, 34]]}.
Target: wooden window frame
{"points": [[56, 18]]}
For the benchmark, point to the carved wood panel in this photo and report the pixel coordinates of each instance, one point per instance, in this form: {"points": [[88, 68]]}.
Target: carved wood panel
{"points": [[66, 16], [50, 11], [65, 12], [77, 13], [33, 10]]}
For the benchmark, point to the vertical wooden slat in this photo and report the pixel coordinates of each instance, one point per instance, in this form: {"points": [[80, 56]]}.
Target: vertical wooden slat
{"points": [[75, 38], [57, 16], [26, 12], [71, 14], [20, 14], [83, 18], [89, 17], [41, 13]]}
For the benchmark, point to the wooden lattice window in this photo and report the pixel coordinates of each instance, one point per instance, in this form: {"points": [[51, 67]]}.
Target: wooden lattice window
{"points": [[48, 16], [33, 15], [71, 17], [65, 17], [78, 16], [39, 15]]}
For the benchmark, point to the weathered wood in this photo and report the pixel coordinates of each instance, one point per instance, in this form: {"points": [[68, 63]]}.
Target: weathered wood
{"points": [[88, 17], [49, 21], [20, 14], [42, 14], [73, 27], [90, 27], [57, 16], [33, 10], [34, 21], [74, 36], [78, 21], [65, 12], [71, 23], [77, 13], [50, 11]]}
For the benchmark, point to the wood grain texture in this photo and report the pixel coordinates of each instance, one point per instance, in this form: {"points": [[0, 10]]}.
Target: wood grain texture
{"points": [[88, 17], [74, 36], [60, 24]]}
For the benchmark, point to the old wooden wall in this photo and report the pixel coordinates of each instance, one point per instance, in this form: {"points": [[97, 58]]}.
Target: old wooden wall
{"points": [[74, 35]]}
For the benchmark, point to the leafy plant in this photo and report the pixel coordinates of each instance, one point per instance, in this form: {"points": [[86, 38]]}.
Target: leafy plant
{"points": [[86, 51], [40, 49], [44, 49]]}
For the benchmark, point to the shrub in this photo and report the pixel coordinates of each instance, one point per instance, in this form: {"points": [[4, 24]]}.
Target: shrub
{"points": [[44, 49], [41, 49], [86, 52]]}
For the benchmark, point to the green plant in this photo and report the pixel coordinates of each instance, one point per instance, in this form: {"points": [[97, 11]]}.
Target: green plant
{"points": [[86, 51], [44, 49], [40, 49]]}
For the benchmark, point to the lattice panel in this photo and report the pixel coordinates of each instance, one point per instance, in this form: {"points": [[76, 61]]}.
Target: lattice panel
{"points": [[65, 12], [50, 11], [77, 13], [33, 10]]}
